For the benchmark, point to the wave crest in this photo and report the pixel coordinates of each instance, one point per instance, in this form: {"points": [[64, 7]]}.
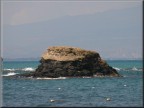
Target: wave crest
{"points": [[28, 69], [128, 69], [18, 69], [118, 69], [9, 69], [53, 78], [10, 74]]}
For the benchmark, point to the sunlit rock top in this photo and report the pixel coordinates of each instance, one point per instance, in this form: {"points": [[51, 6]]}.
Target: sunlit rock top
{"points": [[66, 53]]}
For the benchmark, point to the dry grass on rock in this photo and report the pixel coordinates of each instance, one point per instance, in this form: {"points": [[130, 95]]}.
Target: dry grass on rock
{"points": [[65, 53]]}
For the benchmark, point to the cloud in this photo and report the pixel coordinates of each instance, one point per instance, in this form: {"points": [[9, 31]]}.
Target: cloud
{"points": [[28, 12]]}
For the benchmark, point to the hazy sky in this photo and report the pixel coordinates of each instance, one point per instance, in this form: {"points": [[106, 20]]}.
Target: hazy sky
{"points": [[114, 29]]}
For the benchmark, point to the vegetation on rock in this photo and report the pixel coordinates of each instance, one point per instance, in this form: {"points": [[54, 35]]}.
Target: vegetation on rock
{"points": [[65, 53]]}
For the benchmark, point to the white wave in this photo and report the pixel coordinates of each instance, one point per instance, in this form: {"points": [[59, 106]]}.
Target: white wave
{"points": [[118, 69], [61, 78], [9, 69], [52, 78], [28, 69], [128, 69], [134, 68], [19, 69], [86, 77], [10, 74]]}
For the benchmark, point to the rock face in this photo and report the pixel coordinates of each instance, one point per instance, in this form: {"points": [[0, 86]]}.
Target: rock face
{"points": [[62, 61]]}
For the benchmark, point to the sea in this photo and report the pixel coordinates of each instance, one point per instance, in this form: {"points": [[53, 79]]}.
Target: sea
{"points": [[126, 91]]}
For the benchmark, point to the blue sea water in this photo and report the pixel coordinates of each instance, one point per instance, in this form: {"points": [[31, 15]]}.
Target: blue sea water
{"points": [[124, 91]]}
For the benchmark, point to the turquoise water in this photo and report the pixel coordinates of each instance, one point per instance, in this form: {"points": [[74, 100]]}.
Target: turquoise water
{"points": [[126, 91]]}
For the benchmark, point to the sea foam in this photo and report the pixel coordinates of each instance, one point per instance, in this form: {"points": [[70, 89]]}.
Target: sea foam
{"points": [[10, 74], [28, 69], [118, 69], [52, 78], [19, 69], [9, 69], [128, 69]]}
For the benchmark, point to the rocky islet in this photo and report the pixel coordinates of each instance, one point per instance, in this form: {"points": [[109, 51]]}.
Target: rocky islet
{"points": [[64, 61]]}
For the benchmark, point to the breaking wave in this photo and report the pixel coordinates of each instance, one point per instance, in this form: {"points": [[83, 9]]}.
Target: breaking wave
{"points": [[128, 69], [118, 69], [10, 74], [53, 78], [28, 69], [9, 69], [23, 69]]}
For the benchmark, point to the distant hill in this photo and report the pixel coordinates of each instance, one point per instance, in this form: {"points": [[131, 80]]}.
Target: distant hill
{"points": [[113, 34]]}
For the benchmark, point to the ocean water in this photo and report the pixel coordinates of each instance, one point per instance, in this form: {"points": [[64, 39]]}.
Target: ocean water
{"points": [[124, 91]]}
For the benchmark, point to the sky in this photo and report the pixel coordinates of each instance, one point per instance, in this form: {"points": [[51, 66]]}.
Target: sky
{"points": [[112, 28]]}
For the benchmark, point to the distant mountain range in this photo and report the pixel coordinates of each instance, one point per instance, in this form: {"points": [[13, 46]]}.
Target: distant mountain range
{"points": [[113, 34]]}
